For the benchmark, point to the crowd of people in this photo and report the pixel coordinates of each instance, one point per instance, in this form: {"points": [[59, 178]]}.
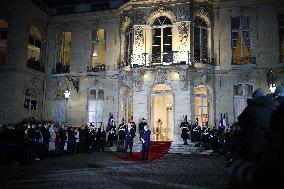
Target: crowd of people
{"points": [[253, 146], [255, 149], [34, 140]]}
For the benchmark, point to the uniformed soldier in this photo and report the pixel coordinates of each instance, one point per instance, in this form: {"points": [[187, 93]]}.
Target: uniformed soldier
{"points": [[185, 130], [205, 138], [194, 132], [121, 129]]}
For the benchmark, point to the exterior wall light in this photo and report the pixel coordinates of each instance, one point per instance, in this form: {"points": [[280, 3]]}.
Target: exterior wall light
{"points": [[270, 81], [67, 93]]}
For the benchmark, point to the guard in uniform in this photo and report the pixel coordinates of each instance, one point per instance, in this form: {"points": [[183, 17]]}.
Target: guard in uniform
{"points": [[194, 132], [185, 130], [205, 137], [121, 129]]}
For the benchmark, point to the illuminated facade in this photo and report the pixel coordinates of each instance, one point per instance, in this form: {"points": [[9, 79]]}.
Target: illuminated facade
{"points": [[159, 60]]}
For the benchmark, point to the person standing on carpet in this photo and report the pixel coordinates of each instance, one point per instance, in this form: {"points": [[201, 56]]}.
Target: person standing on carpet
{"points": [[129, 135], [145, 138]]}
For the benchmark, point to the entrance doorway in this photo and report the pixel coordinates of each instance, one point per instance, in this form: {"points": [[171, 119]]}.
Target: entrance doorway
{"points": [[162, 113]]}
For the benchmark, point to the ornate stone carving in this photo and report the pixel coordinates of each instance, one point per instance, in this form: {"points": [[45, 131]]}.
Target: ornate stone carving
{"points": [[183, 13], [139, 17], [125, 23], [138, 79], [205, 12], [203, 80], [160, 76], [183, 79], [161, 10], [125, 80]]}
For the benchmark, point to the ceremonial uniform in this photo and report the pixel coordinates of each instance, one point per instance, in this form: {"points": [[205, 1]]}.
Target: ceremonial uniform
{"points": [[185, 131], [121, 129]]}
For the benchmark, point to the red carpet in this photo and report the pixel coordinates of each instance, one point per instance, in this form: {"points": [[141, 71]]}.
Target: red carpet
{"points": [[156, 150]]}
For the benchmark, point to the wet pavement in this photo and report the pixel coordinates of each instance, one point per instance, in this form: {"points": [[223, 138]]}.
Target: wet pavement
{"points": [[105, 170]]}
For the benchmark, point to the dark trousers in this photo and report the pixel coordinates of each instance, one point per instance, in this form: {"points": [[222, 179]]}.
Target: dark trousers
{"points": [[128, 145], [185, 141], [145, 150]]}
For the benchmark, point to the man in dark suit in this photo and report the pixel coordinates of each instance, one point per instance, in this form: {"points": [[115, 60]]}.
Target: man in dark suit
{"points": [[141, 127], [129, 135], [145, 138]]}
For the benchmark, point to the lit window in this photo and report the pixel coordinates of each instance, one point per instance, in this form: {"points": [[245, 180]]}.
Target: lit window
{"points": [[162, 41], [63, 52], [98, 48], [200, 41], [3, 40], [34, 49], [241, 41], [201, 105]]}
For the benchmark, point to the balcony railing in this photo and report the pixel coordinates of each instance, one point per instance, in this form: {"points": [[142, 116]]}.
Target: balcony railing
{"points": [[61, 68], [204, 60], [97, 68], [35, 64], [243, 61], [161, 58]]}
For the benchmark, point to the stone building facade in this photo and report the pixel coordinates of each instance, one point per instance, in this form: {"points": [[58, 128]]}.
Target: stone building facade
{"points": [[159, 60]]}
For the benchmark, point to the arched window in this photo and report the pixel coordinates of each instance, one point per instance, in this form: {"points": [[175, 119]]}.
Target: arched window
{"points": [[34, 49], [3, 40], [200, 41], [63, 52], [242, 92], [128, 46], [162, 41], [95, 106], [201, 105]]}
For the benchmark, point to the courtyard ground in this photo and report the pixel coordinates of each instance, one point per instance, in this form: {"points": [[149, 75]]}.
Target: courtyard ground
{"points": [[105, 170]]}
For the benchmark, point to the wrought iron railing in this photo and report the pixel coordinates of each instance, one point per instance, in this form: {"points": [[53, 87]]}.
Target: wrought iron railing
{"points": [[61, 68], [97, 68], [35, 64], [243, 61], [204, 60], [161, 58]]}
